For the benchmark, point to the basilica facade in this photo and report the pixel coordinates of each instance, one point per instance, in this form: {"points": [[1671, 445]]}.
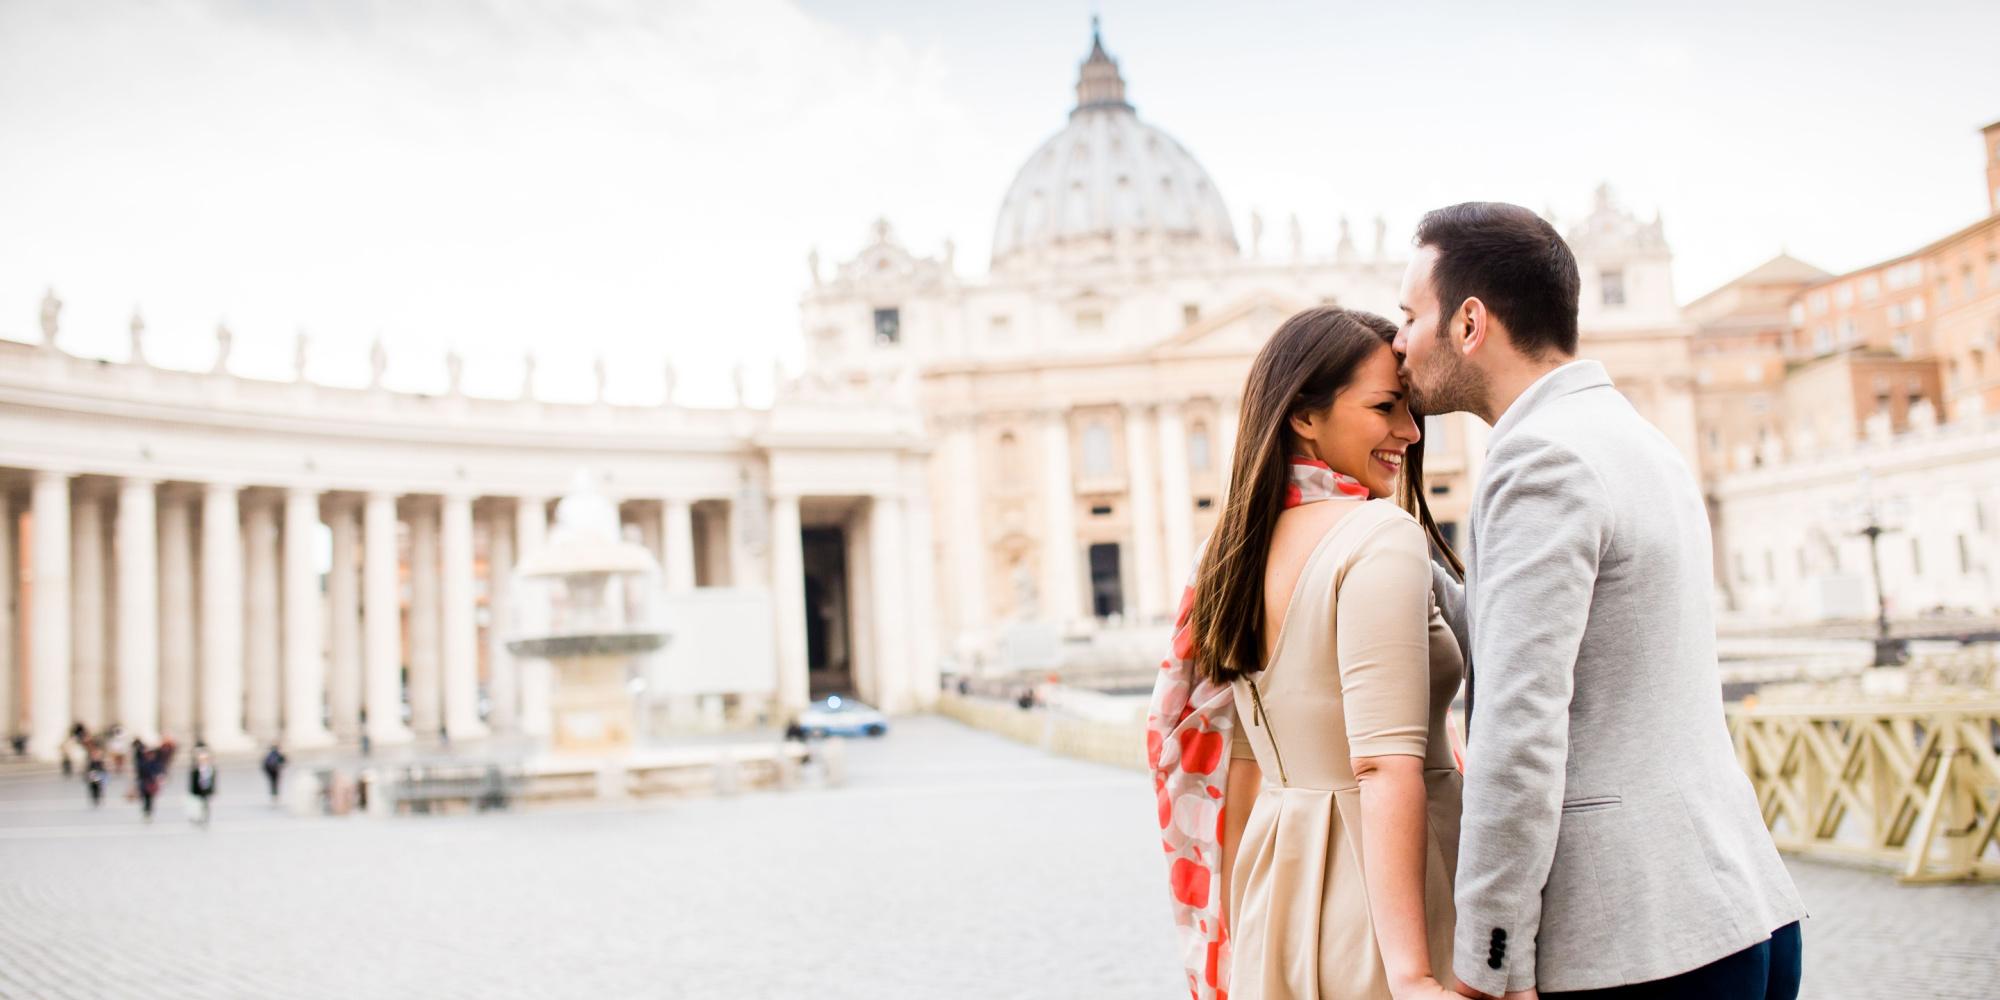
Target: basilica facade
{"points": [[1082, 397]]}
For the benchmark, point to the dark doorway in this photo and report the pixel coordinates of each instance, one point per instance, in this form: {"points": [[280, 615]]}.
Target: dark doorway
{"points": [[1107, 595], [829, 641]]}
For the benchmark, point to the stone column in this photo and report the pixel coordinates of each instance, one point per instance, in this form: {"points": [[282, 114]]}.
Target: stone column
{"points": [[920, 605], [531, 528], [1176, 503], [650, 534], [968, 535], [1059, 602], [888, 562], [1152, 581], [382, 621], [138, 552], [343, 620], [49, 715], [305, 671], [262, 651], [717, 550], [503, 686], [788, 591], [177, 621], [677, 534], [87, 631], [426, 711], [1228, 411], [10, 679], [460, 623], [861, 608], [222, 619]]}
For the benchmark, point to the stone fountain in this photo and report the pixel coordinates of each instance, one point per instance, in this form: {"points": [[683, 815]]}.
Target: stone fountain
{"points": [[589, 606]]}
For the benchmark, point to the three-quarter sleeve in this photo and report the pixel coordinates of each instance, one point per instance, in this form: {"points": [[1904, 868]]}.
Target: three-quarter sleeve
{"points": [[1382, 610]]}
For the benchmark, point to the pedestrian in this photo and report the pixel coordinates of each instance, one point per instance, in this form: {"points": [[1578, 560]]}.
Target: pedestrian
{"points": [[146, 774], [201, 784], [274, 767], [94, 773], [138, 753], [71, 744]]}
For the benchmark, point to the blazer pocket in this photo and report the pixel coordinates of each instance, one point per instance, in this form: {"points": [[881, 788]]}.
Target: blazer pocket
{"points": [[1593, 803]]}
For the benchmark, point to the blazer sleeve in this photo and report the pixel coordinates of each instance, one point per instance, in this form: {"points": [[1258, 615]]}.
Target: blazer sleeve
{"points": [[1545, 524], [1382, 612], [1450, 596]]}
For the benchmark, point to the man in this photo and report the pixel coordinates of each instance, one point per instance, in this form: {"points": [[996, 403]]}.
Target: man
{"points": [[1611, 846], [201, 783]]}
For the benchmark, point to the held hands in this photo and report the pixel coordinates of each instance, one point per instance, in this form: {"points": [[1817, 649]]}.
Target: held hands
{"points": [[1467, 991], [1427, 988]]}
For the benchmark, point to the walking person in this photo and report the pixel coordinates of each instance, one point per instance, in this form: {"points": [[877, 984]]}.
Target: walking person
{"points": [[146, 776], [95, 773], [201, 784], [1611, 847], [274, 768], [1307, 795]]}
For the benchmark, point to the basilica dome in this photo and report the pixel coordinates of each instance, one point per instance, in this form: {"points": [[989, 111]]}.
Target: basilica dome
{"points": [[1109, 186]]}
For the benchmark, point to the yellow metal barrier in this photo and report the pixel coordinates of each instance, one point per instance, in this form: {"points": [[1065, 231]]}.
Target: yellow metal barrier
{"points": [[1916, 786]]}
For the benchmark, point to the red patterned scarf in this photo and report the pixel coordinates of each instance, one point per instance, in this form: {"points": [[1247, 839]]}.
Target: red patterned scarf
{"points": [[1188, 730]]}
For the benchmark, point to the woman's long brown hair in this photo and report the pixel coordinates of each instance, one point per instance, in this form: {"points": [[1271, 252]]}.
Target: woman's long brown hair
{"points": [[1302, 367]]}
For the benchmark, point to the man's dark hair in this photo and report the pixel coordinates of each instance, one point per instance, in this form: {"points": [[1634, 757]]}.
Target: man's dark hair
{"points": [[1513, 261]]}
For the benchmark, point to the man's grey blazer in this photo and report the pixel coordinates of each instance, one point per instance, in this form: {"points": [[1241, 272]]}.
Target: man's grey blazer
{"points": [[1609, 836]]}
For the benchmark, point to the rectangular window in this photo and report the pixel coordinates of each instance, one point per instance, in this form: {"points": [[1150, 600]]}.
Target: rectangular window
{"points": [[1090, 321], [1916, 310], [1611, 284], [1871, 289], [1100, 510], [1107, 595], [888, 326], [1190, 313], [1000, 330], [1440, 489], [1204, 503]]}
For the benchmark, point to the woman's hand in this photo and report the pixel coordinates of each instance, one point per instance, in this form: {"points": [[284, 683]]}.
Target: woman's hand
{"points": [[1425, 988]]}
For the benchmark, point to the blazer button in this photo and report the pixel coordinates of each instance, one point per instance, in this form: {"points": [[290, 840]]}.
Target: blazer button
{"points": [[1493, 963], [1499, 935]]}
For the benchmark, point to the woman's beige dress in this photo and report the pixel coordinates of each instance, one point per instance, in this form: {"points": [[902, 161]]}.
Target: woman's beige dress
{"points": [[1363, 666]]}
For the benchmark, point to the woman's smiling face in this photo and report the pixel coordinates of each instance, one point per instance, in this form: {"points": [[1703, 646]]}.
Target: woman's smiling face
{"points": [[1366, 429]]}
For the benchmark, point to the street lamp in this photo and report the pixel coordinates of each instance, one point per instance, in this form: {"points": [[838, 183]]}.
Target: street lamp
{"points": [[1888, 652]]}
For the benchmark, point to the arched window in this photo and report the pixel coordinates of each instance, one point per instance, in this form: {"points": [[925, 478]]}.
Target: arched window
{"points": [[1097, 450], [1200, 454]]}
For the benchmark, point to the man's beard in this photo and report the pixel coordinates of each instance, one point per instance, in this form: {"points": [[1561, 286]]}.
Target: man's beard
{"points": [[1447, 384]]}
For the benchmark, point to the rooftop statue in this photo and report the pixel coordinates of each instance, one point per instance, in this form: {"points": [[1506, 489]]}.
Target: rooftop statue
{"points": [[224, 343], [138, 328], [51, 317], [454, 371], [378, 363]]}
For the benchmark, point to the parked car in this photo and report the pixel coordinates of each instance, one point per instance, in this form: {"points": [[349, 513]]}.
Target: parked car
{"points": [[837, 716]]}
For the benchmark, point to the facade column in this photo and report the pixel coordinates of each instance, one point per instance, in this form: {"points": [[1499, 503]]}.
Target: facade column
{"points": [[504, 684], [87, 631], [49, 715], [10, 672], [262, 651], [1059, 601], [177, 615], [861, 609], [343, 620], [138, 553], [968, 538], [460, 623], [788, 591], [1176, 503], [677, 539], [426, 712], [1229, 412], [382, 621], [888, 562], [531, 529], [1150, 587], [222, 619], [921, 606], [305, 671]]}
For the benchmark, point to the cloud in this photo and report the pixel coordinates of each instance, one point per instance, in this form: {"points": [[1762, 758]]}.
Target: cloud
{"points": [[636, 178]]}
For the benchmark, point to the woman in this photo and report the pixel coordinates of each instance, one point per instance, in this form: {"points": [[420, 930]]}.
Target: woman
{"points": [[1310, 647]]}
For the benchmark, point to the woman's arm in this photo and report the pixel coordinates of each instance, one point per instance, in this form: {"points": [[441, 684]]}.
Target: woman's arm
{"points": [[1245, 778], [1393, 823]]}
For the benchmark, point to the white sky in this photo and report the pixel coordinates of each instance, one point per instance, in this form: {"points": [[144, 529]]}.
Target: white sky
{"points": [[644, 179]]}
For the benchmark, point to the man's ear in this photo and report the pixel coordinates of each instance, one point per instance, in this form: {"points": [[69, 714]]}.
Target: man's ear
{"points": [[1473, 326]]}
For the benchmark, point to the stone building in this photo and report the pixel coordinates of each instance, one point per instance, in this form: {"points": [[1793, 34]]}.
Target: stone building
{"points": [[1082, 396]]}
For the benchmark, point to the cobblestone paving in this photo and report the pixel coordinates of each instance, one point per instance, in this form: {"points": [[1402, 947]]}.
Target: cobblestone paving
{"points": [[952, 864]]}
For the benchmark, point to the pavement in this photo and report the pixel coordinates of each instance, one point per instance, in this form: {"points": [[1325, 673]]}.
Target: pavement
{"points": [[952, 863]]}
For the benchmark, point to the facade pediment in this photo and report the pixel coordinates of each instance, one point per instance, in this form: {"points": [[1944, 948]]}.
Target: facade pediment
{"points": [[1239, 328]]}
